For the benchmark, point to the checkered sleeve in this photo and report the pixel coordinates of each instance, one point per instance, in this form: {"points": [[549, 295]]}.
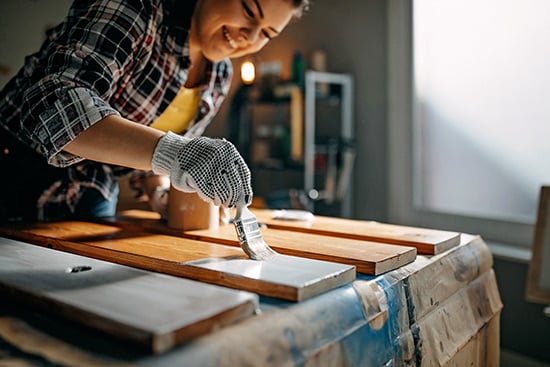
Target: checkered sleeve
{"points": [[84, 60]]}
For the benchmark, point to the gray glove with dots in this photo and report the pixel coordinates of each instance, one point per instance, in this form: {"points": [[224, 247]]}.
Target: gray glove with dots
{"points": [[211, 167]]}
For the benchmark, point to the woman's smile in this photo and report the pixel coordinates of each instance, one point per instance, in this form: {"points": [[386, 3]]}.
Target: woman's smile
{"points": [[228, 38], [234, 28]]}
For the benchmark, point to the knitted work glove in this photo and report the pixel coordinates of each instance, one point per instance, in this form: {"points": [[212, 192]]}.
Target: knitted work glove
{"points": [[211, 167]]}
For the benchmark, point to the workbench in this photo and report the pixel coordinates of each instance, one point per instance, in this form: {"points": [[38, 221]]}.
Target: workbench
{"points": [[440, 309]]}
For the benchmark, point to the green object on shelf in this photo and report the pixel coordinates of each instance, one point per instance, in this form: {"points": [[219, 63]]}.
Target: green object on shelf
{"points": [[298, 69]]}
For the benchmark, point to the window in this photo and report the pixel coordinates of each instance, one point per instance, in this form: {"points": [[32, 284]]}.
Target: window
{"points": [[469, 114]]}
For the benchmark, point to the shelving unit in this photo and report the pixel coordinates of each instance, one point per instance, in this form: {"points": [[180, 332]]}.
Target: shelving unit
{"points": [[342, 188], [299, 142]]}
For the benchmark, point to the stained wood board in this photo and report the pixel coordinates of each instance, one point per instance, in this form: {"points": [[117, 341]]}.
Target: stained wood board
{"points": [[427, 241], [285, 277], [154, 310], [371, 258], [368, 257]]}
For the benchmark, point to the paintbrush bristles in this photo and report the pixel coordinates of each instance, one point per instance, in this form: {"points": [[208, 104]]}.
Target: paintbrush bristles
{"points": [[250, 237]]}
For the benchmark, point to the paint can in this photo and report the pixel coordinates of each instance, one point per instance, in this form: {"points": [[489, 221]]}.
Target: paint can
{"points": [[187, 211]]}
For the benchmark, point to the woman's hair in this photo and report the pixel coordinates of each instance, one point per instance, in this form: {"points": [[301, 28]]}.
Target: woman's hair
{"points": [[301, 7]]}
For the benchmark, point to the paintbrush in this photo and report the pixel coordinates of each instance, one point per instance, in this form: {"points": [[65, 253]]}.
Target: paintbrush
{"points": [[250, 237]]}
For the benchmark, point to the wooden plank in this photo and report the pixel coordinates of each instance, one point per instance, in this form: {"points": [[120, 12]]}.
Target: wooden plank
{"points": [[286, 277], [371, 258], [368, 257], [427, 241], [154, 310]]}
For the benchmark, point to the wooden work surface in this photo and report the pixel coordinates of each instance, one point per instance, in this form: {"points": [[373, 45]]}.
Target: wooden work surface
{"points": [[281, 276], [427, 241], [372, 258], [154, 310], [440, 310]]}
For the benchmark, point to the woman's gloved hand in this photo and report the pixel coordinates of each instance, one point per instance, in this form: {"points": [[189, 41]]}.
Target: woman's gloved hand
{"points": [[211, 167]]}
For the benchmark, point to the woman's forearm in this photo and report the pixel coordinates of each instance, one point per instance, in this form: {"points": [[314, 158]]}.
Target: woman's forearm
{"points": [[115, 140]]}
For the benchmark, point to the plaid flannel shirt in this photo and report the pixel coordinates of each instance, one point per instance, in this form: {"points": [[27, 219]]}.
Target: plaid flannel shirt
{"points": [[127, 57]]}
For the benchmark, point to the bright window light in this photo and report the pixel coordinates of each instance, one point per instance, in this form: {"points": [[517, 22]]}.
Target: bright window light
{"points": [[482, 106]]}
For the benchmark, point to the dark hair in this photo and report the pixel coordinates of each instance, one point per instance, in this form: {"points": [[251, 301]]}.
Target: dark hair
{"points": [[301, 7]]}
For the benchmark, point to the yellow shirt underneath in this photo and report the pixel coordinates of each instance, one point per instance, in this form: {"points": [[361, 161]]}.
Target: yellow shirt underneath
{"points": [[180, 112]]}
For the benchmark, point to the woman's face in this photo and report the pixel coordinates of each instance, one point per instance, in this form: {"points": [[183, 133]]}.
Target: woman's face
{"points": [[234, 28]]}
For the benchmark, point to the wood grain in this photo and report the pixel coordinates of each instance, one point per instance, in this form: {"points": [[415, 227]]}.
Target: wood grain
{"points": [[427, 241], [371, 258], [368, 257], [199, 260], [154, 310]]}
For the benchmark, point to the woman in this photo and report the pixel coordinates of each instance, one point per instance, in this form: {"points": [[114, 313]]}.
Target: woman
{"points": [[108, 86]]}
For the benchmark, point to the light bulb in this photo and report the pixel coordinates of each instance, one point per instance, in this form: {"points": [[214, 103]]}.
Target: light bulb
{"points": [[248, 72]]}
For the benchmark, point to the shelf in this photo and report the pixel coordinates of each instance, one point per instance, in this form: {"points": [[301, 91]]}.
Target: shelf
{"points": [[298, 140]]}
